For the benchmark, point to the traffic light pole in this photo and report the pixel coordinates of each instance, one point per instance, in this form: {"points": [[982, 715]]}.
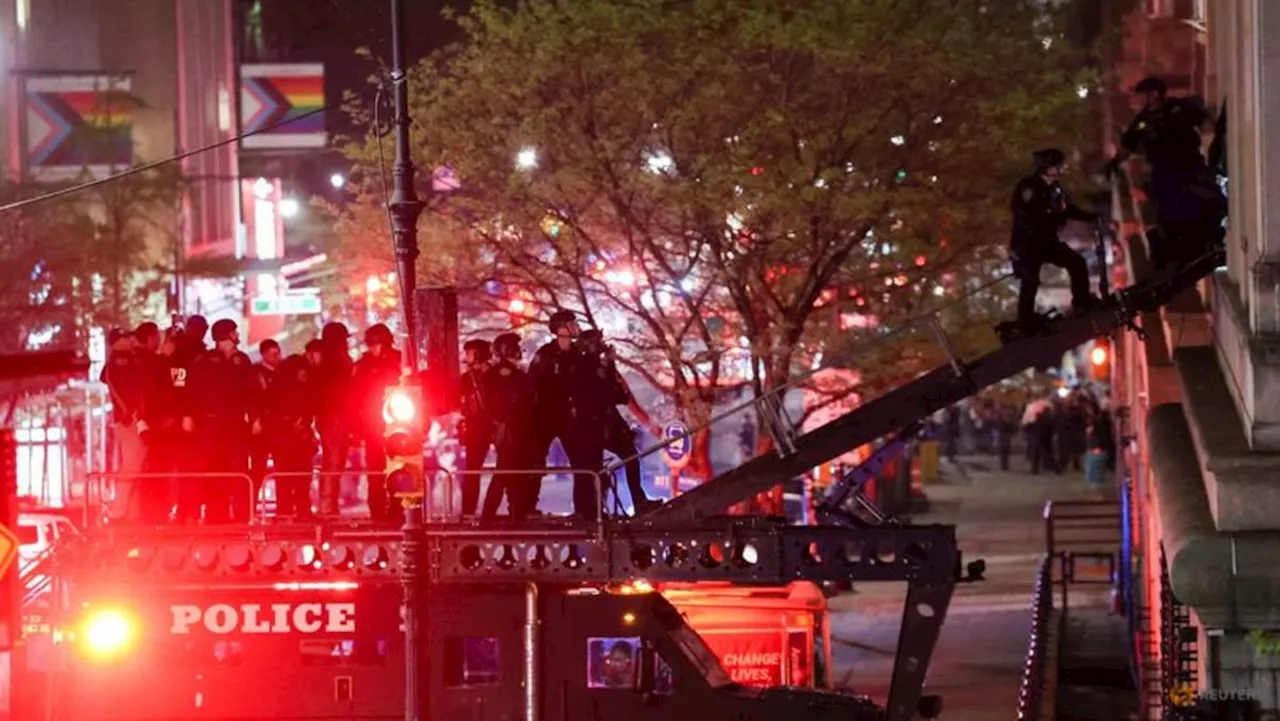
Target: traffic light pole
{"points": [[405, 207]]}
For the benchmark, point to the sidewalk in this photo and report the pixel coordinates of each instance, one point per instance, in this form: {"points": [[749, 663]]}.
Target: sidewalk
{"points": [[977, 665]]}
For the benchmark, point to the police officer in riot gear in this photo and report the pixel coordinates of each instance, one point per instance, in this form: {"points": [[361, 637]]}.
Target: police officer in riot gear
{"points": [[289, 426], [223, 414], [1040, 210], [552, 375], [377, 370], [610, 388], [1189, 205], [476, 429], [333, 385], [510, 397]]}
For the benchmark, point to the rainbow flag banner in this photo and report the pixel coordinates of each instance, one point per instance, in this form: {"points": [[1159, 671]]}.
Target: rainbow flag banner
{"points": [[282, 104], [78, 124]]}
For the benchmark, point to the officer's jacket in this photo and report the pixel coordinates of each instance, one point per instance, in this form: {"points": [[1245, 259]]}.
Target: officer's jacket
{"points": [[371, 376], [292, 395], [224, 387], [552, 372], [126, 377], [1040, 210], [597, 391], [1169, 136], [509, 394]]}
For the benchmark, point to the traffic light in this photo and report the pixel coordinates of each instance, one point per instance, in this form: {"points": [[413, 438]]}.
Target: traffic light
{"points": [[405, 418], [1100, 360]]}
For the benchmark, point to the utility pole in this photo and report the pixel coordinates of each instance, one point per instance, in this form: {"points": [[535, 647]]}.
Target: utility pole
{"points": [[404, 207], [404, 210]]}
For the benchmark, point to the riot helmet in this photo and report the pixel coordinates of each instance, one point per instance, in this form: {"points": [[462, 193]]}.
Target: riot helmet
{"points": [[378, 334], [563, 319], [507, 347], [590, 342], [1043, 160], [224, 329], [478, 347], [1151, 84]]}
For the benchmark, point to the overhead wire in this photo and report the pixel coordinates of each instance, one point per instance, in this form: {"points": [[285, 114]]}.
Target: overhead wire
{"points": [[178, 157]]}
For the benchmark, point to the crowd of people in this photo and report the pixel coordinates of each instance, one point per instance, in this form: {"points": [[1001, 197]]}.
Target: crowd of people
{"points": [[192, 422], [1059, 432]]}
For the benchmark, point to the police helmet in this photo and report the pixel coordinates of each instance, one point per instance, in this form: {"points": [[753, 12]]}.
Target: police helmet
{"points": [[334, 331], [507, 346], [377, 334], [223, 329], [560, 319], [591, 340], [1048, 158], [479, 347], [1151, 84]]}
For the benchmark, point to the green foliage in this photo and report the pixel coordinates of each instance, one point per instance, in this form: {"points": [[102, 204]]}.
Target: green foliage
{"points": [[757, 163]]}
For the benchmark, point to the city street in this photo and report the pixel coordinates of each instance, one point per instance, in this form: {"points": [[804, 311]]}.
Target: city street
{"points": [[977, 667]]}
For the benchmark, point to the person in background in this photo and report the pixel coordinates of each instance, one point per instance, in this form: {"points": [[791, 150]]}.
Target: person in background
{"points": [[476, 429], [292, 399], [509, 397], [261, 444], [127, 383], [333, 392], [551, 375]]}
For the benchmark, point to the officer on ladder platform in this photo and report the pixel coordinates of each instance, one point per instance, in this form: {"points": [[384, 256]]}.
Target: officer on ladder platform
{"points": [[509, 396], [476, 428], [377, 370], [551, 375], [223, 412], [1189, 204], [127, 383], [608, 386], [292, 400], [261, 444], [1040, 210]]}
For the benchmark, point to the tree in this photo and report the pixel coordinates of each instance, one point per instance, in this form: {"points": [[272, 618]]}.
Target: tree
{"points": [[701, 176]]}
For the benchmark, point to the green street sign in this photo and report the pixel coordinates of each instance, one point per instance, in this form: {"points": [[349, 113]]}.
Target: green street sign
{"points": [[288, 304]]}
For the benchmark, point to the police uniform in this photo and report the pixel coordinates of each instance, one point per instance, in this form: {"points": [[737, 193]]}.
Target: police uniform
{"points": [[333, 389], [127, 383], [551, 375], [509, 395], [290, 428], [476, 432], [224, 405], [371, 376], [1040, 210], [591, 395], [260, 445]]}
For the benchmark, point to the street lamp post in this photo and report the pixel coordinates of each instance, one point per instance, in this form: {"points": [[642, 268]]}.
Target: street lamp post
{"points": [[404, 209]]}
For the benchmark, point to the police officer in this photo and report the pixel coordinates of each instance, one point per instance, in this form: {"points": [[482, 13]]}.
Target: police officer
{"points": [[261, 444], [509, 396], [169, 455], [333, 388], [223, 412], [377, 370], [1189, 205], [551, 375], [476, 429], [127, 383], [1040, 210], [612, 390], [289, 426]]}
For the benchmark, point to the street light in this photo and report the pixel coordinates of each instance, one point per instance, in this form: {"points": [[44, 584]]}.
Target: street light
{"points": [[337, 181], [527, 159], [288, 207]]}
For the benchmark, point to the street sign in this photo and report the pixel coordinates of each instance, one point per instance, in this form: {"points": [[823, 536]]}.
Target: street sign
{"points": [[678, 452], [8, 549], [286, 304]]}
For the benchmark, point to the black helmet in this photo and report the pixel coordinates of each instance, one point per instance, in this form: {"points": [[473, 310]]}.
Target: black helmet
{"points": [[480, 347], [334, 332], [590, 341], [507, 346], [379, 333], [1048, 158], [1151, 84], [222, 330], [561, 318]]}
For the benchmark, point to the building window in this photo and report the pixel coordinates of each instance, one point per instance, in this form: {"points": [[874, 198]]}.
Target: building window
{"points": [[470, 661]]}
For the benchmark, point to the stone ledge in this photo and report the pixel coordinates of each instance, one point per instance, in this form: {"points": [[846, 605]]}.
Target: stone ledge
{"points": [[1252, 363], [1239, 482], [1200, 558]]}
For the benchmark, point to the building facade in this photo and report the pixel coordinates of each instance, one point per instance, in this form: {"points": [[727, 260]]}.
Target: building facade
{"points": [[1201, 393]]}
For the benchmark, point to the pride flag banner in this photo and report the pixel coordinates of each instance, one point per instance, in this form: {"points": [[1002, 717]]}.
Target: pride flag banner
{"points": [[281, 104], [78, 124]]}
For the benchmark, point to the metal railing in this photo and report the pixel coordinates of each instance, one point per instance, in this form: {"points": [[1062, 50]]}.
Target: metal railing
{"points": [[770, 405], [125, 494], [1035, 672]]}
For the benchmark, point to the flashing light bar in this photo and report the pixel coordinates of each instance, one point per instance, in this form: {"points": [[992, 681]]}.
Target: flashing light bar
{"points": [[316, 586]]}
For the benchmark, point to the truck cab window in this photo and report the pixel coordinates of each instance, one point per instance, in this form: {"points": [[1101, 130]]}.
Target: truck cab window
{"points": [[613, 662], [664, 678], [470, 661], [700, 655]]}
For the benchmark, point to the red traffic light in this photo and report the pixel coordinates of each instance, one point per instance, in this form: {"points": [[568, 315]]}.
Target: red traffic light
{"points": [[400, 406], [1098, 356]]}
